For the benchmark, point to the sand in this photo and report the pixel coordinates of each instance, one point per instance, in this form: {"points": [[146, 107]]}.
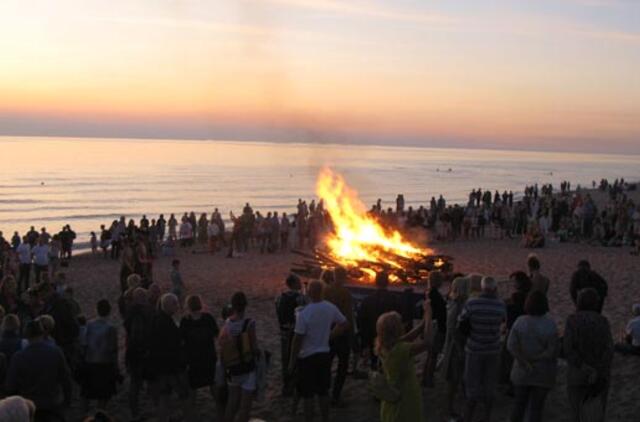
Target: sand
{"points": [[261, 278]]}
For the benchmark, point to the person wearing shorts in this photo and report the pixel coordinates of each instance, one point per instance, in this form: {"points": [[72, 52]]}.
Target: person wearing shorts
{"points": [[316, 324]]}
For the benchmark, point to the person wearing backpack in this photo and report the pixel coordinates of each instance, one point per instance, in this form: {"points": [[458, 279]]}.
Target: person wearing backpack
{"points": [[286, 305], [239, 348]]}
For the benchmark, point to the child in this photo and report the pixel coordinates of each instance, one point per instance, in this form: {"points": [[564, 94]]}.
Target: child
{"points": [[94, 243]]}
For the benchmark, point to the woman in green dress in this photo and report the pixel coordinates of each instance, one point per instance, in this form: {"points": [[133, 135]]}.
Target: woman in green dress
{"points": [[396, 351]]}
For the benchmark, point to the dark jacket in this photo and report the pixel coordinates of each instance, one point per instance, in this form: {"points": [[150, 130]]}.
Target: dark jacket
{"points": [[138, 326], [67, 330], [439, 310], [374, 305], [587, 341], [40, 373], [585, 278], [166, 355]]}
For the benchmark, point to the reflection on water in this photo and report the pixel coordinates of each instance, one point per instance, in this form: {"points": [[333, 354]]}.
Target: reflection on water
{"points": [[51, 181]]}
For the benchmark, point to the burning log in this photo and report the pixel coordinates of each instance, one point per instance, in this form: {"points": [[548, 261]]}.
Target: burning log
{"points": [[361, 245], [406, 270]]}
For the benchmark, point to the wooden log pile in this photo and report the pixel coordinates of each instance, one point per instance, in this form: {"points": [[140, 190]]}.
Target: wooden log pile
{"points": [[400, 269]]}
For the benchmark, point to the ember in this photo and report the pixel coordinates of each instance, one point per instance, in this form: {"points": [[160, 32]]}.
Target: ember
{"points": [[359, 243]]}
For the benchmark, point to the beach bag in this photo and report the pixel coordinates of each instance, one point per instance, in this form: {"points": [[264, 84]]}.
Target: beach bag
{"points": [[381, 389], [236, 354]]}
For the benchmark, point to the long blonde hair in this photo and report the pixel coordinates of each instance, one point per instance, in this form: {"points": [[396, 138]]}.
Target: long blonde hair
{"points": [[389, 330]]}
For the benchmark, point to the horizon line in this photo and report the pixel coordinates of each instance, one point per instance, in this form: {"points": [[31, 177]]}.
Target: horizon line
{"points": [[344, 143]]}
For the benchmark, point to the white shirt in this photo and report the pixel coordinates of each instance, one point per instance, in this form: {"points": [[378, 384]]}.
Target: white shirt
{"points": [[213, 230], [24, 253], [633, 330], [41, 254], [314, 322], [186, 231]]}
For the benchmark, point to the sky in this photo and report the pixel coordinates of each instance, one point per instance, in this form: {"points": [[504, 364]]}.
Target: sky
{"points": [[542, 75]]}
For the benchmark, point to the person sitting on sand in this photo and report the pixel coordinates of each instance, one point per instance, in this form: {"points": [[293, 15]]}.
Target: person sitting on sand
{"points": [[630, 343], [534, 238]]}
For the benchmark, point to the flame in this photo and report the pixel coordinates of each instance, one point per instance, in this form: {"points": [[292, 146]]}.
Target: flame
{"points": [[357, 236]]}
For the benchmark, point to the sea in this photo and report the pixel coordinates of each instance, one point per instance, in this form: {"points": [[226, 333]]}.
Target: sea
{"points": [[49, 182]]}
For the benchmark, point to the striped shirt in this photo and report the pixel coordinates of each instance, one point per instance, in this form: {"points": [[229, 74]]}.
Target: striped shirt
{"points": [[485, 314]]}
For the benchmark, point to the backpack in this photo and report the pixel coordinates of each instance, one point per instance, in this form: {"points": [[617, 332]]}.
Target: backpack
{"points": [[236, 354]]}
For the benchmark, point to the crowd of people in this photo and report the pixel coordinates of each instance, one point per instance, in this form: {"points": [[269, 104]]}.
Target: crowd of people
{"points": [[476, 339]]}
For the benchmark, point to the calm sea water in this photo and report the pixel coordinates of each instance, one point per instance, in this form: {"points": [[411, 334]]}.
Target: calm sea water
{"points": [[87, 182]]}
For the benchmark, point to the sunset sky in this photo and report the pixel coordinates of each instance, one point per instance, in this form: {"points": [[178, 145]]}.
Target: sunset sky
{"points": [[538, 74]]}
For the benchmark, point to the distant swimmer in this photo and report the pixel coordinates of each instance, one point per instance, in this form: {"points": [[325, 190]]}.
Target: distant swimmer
{"points": [[449, 170]]}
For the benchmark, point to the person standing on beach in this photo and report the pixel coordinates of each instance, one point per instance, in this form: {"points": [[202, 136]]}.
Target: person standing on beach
{"points": [[177, 285], [138, 323], [202, 229], [239, 348], [439, 311], [286, 305], [162, 225], [40, 373], [533, 343], [128, 265], [481, 321], [588, 348], [166, 358], [15, 241], [41, 259], [199, 333], [173, 224], [584, 277], [337, 294], [316, 324], [538, 281], [377, 303], [24, 259], [100, 344], [186, 233], [213, 232], [453, 350]]}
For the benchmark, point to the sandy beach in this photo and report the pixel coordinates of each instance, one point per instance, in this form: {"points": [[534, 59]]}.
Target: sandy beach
{"points": [[261, 278]]}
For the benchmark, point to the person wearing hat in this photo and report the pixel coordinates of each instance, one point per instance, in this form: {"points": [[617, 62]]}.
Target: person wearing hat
{"points": [[630, 343], [40, 373]]}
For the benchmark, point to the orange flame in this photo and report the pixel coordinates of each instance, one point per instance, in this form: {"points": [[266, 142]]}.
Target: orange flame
{"points": [[357, 236]]}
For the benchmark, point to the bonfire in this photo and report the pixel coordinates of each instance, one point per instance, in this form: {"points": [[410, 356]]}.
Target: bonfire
{"points": [[359, 243]]}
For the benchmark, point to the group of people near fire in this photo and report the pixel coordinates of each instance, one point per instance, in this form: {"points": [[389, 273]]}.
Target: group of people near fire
{"points": [[173, 345]]}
